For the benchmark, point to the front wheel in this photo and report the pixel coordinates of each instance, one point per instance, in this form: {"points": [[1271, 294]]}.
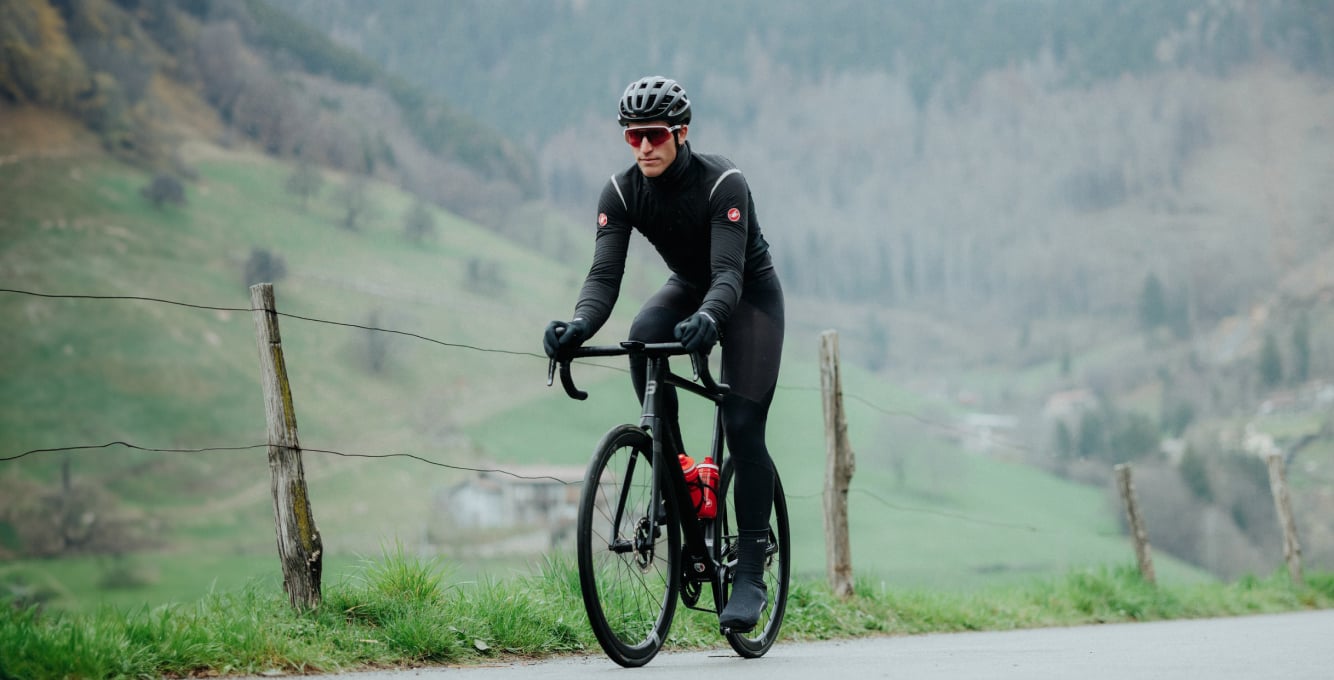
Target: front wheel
{"points": [[629, 542], [777, 566]]}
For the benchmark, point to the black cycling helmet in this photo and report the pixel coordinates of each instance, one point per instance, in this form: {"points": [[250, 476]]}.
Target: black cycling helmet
{"points": [[654, 98]]}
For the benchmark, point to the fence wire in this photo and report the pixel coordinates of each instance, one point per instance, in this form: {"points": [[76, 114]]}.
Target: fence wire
{"points": [[854, 397], [139, 298]]}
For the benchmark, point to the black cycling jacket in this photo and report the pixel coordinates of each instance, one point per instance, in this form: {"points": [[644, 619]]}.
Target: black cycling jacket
{"points": [[700, 216]]}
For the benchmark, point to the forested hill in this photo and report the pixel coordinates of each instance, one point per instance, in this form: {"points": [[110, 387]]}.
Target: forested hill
{"points": [[994, 163], [147, 74], [546, 64], [1001, 161]]}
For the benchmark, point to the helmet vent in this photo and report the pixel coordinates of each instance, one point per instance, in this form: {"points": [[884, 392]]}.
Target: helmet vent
{"points": [[654, 98]]}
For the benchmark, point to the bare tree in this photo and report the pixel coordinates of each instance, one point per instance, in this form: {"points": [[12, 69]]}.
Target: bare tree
{"points": [[376, 350], [355, 202], [305, 182], [221, 58], [485, 277], [73, 518], [419, 223]]}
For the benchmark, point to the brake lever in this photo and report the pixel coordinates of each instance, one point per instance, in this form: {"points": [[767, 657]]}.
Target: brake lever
{"points": [[702, 374], [566, 380]]}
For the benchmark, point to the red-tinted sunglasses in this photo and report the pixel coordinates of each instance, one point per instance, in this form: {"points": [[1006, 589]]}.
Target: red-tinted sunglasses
{"points": [[655, 134]]}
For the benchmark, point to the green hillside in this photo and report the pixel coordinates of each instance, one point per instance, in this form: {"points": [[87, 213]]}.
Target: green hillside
{"points": [[87, 372], [83, 372], [722, 47]]}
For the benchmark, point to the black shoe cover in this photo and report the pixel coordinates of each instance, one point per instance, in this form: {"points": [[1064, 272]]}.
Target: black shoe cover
{"points": [[749, 595]]}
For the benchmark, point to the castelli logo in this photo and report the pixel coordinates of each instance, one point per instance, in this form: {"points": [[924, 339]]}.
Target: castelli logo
{"points": [[734, 214], [602, 219]]}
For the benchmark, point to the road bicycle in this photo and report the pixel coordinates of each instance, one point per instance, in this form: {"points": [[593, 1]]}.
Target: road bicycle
{"points": [[641, 542]]}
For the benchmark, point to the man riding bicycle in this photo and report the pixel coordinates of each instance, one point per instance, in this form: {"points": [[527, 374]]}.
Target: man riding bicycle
{"points": [[697, 211]]}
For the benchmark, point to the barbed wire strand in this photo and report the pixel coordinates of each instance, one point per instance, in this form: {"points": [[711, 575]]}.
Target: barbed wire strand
{"points": [[930, 423], [953, 515], [462, 468], [72, 296], [943, 513], [137, 447], [854, 397], [129, 446], [141, 298], [924, 511]]}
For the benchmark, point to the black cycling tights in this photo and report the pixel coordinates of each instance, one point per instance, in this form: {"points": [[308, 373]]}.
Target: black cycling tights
{"points": [[752, 346]]}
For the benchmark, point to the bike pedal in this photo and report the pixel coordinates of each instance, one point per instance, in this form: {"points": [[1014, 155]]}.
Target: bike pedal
{"points": [[728, 630]]}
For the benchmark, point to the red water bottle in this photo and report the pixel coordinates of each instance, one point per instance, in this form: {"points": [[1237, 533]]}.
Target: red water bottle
{"points": [[691, 472], [708, 483]]}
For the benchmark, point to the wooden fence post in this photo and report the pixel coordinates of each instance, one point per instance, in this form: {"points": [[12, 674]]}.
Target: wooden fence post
{"points": [[1126, 486], [299, 546], [1278, 486], [840, 464]]}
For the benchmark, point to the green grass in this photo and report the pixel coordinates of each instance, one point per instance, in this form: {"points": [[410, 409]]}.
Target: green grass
{"points": [[404, 611], [85, 584]]}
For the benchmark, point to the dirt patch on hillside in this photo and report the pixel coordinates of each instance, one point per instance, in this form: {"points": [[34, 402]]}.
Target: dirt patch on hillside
{"points": [[1313, 280], [30, 132]]}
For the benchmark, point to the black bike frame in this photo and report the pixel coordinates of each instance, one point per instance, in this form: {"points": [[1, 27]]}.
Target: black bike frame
{"points": [[702, 550], [699, 554]]}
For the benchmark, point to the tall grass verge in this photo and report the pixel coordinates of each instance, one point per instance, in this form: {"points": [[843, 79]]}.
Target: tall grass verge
{"points": [[402, 610]]}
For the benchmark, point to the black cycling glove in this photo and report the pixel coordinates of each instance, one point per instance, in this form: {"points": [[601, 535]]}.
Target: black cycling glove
{"points": [[564, 335], [698, 332]]}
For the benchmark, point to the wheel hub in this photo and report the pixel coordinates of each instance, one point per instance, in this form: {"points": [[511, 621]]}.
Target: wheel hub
{"points": [[644, 535]]}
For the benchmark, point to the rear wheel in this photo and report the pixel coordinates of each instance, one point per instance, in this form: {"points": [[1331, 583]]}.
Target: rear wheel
{"points": [[628, 550], [777, 567]]}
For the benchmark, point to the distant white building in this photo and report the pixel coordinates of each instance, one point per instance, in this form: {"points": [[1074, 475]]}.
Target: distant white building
{"points": [[1069, 404], [983, 431], [529, 511], [1173, 448]]}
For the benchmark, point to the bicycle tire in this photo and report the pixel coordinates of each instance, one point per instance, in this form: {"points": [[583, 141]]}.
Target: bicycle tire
{"points": [[777, 572], [627, 574]]}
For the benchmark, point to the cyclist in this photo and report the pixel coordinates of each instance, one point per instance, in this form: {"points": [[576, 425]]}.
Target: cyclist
{"points": [[697, 211]]}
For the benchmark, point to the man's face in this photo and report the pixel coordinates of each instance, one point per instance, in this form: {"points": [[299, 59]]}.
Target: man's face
{"points": [[656, 149]]}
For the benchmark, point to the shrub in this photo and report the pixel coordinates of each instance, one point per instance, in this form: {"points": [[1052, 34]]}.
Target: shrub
{"points": [[305, 183], [485, 277], [164, 189], [418, 223], [121, 574], [264, 267], [1271, 362]]}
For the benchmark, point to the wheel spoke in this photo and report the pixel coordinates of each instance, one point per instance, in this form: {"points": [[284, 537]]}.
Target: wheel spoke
{"points": [[626, 561]]}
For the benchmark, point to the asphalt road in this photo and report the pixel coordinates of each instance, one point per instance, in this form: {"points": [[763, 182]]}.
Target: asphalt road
{"points": [[1296, 646]]}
